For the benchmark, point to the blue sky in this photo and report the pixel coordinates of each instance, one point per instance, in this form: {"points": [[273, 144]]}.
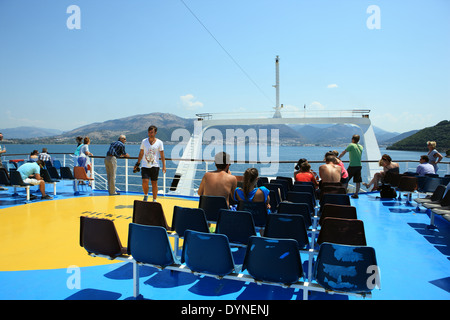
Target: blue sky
{"points": [[142, 56]]}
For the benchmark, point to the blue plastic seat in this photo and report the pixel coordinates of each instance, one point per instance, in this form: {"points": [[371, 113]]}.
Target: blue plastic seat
{"points": [[238, 226], [188, 218], [257, 209], [273, 260], [302, 197], [66, 173], [212, 205], [302, 209], [304, 188], [287, 226], [346, 268], [207, 253], [150, 245]]}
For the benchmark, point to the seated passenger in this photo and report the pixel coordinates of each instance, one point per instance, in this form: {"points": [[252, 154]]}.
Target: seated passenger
{"points": [[388, 166], [298, 166], [34, 156], [330, 172], [30, 173], [44, 156], [305, 174], [249, 191], [424, 167], [219, 182]]}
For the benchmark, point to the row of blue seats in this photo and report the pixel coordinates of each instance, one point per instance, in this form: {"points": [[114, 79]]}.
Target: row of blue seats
{"points": [[273, 261], [436, 204]]}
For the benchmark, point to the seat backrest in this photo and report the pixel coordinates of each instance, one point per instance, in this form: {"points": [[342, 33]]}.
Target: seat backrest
{"points": [[337, 211], [4, 178], [149, 213], [188, 218], [53, 173], [333, 190], [46, 176], [211, 205], [304, 188], [238, 226], [302, 209], [79, 173], [150, 244], [257, 209], [407, 183], [302, 197], [207, 253], [445, 201], [287, 226], [16, 179], [100, 236], [66, 173], [284, 184], [438, 193], [274, 260], [332, 198], [289, 181], [346, 268], [57, 164], [261, 181], [342, 231], [273, 200], [428, 184]]}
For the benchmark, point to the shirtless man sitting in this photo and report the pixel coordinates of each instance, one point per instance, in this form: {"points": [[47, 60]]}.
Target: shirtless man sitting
{"points": [[330, 172], [220, 182]]}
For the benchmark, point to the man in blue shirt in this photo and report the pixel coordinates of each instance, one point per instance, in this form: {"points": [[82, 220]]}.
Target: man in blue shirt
{"points": [[116, 150], [31, 173], [424, 167]]}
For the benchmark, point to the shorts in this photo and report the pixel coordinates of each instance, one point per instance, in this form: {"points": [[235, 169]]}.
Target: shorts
{"points": [[355, 173], [32, 181], [150, 173]]}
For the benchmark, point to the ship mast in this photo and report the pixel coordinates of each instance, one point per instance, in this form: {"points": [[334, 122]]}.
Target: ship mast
{"points": [[277, 107]]}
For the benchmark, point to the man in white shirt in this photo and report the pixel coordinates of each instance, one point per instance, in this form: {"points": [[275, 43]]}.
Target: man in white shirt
{"points": [[152, 149], [424, 167]]}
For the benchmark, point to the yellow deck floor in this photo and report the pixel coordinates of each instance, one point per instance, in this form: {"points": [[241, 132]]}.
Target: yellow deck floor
{"points": [[45, 234]]}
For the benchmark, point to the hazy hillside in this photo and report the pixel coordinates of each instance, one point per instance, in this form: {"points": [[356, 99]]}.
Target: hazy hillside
{"points": [[135, 127], [27, 132]]}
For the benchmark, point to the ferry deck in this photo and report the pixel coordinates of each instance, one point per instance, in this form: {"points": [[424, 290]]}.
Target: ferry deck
{"points": [[42, 252]]}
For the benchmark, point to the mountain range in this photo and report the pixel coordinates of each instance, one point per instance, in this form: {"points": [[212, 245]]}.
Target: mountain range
{"points": [[135, 127]]}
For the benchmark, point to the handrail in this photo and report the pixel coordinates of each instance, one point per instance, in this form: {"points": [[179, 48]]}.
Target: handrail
{"points": [[125, 169]]}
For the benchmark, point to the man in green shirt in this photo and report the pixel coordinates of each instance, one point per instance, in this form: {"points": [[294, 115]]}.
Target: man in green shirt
{"points": [[354, 150]]}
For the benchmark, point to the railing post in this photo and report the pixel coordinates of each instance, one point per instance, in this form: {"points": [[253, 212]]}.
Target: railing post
{"points": [[126, 174], [164, 184], [93, 173]]}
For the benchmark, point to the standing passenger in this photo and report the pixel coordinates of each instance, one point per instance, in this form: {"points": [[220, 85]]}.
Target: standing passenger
{"points": [[116, 150], [354, 150], [151, 150], [433, 155]]}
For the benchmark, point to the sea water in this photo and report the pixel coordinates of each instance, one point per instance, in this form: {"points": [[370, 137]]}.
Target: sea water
{"points": [[289, 154]]}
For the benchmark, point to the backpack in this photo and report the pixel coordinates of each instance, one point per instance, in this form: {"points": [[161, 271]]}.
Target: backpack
{"points": [[387, 192]]}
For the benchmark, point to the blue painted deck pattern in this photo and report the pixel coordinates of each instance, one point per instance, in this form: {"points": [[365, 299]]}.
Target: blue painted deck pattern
{"points": [[414, 262]]}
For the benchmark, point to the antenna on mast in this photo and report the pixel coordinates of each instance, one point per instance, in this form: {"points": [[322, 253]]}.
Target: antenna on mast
{"points": [[277, 107]]}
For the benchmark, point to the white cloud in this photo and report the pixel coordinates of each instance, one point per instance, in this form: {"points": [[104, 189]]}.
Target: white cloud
{"points": [[332, 86], [188, 102], [315, 105]]}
